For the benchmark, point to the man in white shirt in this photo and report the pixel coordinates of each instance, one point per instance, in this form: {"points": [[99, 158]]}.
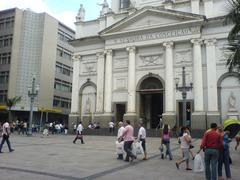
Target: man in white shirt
{"points": [[111, 126], [79, 133], [5, 136], [119, 136], [142, 137]]}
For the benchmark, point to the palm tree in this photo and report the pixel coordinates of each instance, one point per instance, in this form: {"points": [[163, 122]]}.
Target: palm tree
{"points": [[10, 102], [233, 17]]}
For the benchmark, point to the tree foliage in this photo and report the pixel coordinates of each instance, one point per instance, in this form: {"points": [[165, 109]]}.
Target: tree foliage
{"points": [[10, 102], [233, 17]]}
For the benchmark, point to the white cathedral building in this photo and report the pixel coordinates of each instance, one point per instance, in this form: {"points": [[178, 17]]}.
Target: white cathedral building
{"points": [[128, 61]]}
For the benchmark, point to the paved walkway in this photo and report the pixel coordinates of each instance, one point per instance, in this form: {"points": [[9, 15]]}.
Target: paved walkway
{"points": [[56, 157]]}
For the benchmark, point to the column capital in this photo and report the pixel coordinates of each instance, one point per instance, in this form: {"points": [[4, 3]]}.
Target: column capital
{"points": [[210, 42], [131, 49], [197, 41], [76, 57], [168, 44], [100, 55], [108, 52]]}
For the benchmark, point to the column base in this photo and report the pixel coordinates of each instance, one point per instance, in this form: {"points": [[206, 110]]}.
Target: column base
{"points": [[198, 121], [233, 115], [213, 117], [103, 119], [169, 118], [132, 117], [72, 119]]}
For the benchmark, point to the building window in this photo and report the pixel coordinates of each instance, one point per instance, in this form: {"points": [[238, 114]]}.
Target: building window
{"points": [[6, 23], [3, 96], [4, 75], [124, 4], [63, 86], [6, 40], [5, 58], [64, 53], [61, 102], [63, 36], [63, 69]]}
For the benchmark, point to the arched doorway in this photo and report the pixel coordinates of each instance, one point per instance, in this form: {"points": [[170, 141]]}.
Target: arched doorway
{"points": [[151, 100]]}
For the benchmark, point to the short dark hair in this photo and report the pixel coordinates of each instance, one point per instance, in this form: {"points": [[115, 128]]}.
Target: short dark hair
{"points": [[128, 122], [213, 125]]}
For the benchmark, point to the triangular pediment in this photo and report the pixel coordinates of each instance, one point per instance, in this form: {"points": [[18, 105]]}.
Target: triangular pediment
{"points": [[151, 17]]}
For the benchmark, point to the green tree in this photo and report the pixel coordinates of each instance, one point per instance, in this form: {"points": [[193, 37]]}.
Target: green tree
{"points": [[233, 17], [10, 102]]}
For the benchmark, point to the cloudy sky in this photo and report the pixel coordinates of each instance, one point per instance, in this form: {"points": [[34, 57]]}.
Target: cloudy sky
{"points": [[63, 10]]}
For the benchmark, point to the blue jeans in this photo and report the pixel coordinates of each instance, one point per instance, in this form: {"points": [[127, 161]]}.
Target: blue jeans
{"points": [[211, 160], [128, 148], [168, 150], [5, 138], [224, 158]]}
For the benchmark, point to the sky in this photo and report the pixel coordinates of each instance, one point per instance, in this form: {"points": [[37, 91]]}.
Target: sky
{"points": [[63, 10]]}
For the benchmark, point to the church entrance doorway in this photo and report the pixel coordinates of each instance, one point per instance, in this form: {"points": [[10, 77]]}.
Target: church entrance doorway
{"points": [[120, 111], [151, 101]]}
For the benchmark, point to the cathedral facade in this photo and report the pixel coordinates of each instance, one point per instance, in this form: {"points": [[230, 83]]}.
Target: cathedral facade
{"points": [[129, 64]]}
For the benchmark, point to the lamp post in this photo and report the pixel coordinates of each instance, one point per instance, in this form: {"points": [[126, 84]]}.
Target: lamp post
{"points": [[32, 93], [184, 89]]}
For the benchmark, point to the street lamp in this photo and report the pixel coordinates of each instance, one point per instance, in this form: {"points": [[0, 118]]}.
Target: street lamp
{"points": [[184, 89], [32, 93]]}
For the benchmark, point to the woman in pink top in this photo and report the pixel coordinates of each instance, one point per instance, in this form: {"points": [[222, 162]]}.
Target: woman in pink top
{"points": [[128, 140]]}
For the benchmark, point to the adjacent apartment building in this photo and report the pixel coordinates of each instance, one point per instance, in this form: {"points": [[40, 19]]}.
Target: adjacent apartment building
{"points": [[35, 45]]}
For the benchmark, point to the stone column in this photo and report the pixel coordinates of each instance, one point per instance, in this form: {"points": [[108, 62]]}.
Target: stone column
{"points": [[74, 115], [131, 108], [75, 85], [100, 81], [108, 83], [198, 116], [131, 105], [212, 102], [169, 115], [195, 6]]}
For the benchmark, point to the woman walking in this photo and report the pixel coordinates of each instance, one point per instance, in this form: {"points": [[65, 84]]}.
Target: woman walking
{"points": [[166, 141], [185, 144]]}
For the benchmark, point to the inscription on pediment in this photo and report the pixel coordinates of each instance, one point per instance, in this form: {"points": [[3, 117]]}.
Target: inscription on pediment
{"points": [[183, 56]]}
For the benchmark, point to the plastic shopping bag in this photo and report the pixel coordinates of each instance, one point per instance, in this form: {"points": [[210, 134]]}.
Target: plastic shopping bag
{"points": [[119, 147], [198, 163], [138, 148]]}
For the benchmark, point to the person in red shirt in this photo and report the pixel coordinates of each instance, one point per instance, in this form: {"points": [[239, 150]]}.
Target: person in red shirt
{"points": [[211, 144]]}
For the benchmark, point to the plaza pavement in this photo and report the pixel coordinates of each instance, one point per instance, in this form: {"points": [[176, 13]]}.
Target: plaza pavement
{"points": [[57, 158]]}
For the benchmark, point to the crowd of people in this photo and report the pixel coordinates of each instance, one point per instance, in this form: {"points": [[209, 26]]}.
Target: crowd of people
{"points": [[215, 144]]}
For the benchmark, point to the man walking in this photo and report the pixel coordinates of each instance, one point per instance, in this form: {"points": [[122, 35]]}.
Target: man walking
{"points": [[211, 144], [119, 136], [128, 140], [142, 138], [5, 136], [79, 133]]}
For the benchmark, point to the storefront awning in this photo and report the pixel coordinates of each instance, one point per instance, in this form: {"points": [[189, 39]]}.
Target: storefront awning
{"points": [[50, 110]]}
